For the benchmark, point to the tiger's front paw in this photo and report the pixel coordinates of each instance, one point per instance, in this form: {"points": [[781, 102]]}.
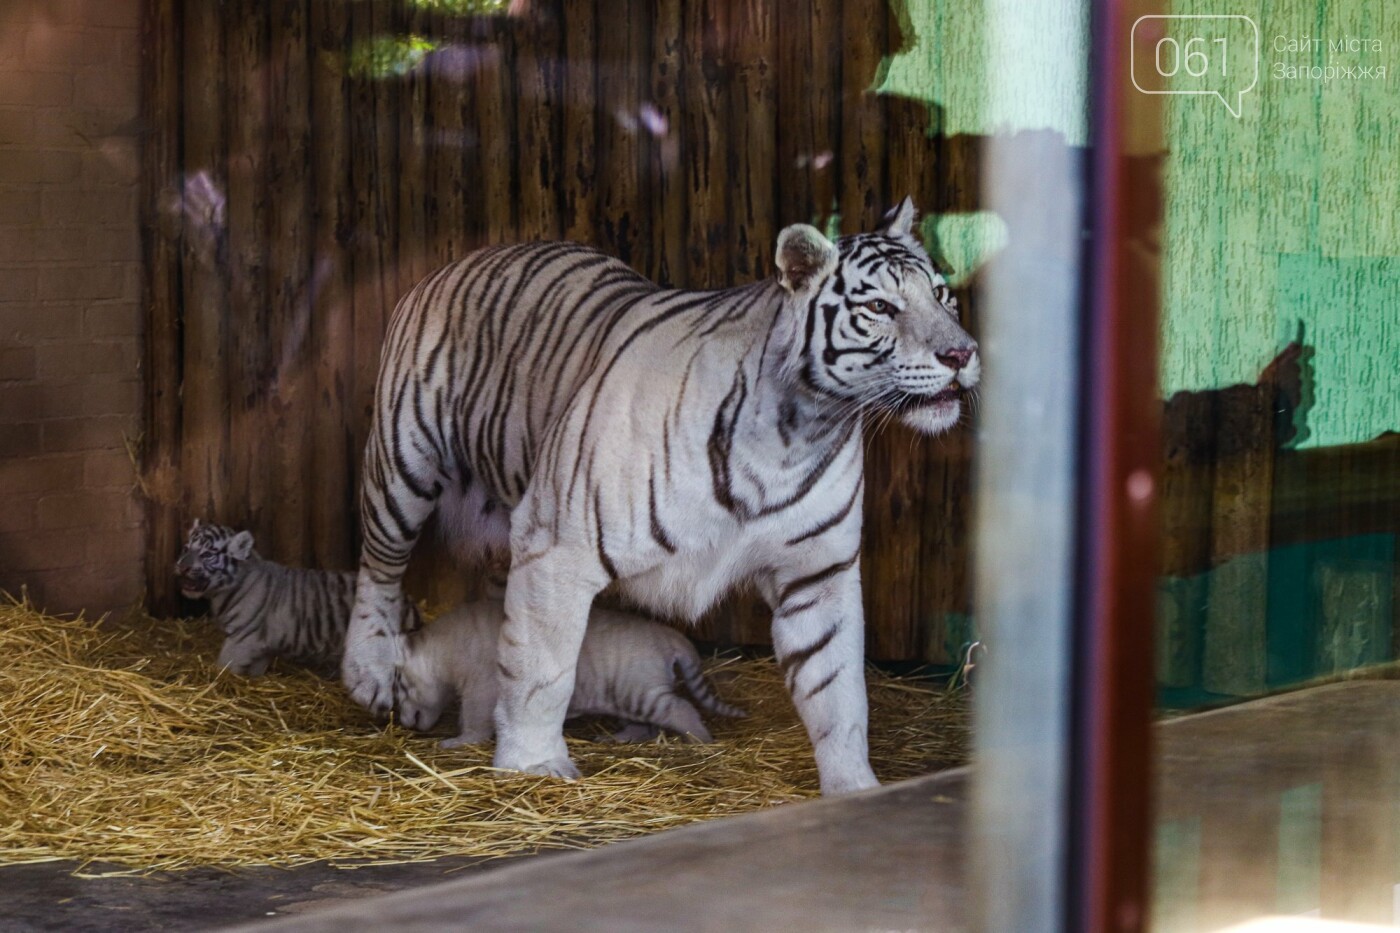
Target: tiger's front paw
{"points": [[367, 671], [560, 767]]}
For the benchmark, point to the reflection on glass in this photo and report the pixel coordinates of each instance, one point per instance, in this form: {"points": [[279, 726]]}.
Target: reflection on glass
{"points": [[1281, 494]]}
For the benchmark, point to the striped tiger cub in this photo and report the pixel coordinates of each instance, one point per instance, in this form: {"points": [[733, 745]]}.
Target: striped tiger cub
{"points": [[266, 610], [672, 445], [627, 669]]}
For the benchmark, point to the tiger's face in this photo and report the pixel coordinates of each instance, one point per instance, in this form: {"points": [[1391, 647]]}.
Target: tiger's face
{"points": [[211, 559], [879, 325]]}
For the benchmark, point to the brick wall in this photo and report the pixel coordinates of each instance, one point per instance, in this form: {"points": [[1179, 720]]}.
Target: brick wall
{"points": [[70, 313]]}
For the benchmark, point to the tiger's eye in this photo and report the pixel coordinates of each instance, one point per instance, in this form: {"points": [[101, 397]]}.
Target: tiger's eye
{"points": [[879, 306]]}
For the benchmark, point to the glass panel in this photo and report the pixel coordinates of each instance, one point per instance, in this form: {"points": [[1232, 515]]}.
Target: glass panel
{"points": [[1280, 372]]}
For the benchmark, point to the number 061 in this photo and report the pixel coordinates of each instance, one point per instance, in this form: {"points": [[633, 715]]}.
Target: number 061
{"points": [[1193, 56]]}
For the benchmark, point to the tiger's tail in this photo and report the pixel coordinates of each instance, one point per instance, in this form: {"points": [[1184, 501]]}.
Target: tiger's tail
{"points": [[701, 690]]}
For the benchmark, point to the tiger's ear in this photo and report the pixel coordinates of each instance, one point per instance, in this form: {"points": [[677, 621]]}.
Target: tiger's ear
{"points": [[241, 545], [900, 221], [805, 257]]}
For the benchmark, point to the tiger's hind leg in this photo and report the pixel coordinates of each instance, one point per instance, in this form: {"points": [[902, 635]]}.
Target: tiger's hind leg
{"points": [[636, 732], [400, 484], [676, 714]]}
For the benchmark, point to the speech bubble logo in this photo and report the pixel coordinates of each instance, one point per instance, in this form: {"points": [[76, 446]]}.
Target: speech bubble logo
{"points": [[1196, 54]]}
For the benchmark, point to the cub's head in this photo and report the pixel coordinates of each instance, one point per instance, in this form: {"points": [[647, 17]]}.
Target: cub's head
{"points": [[422, 692], [874, 327], [212, 559]]}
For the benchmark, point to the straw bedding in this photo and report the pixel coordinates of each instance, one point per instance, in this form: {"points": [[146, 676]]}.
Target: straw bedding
{"points": [[121, 742]]}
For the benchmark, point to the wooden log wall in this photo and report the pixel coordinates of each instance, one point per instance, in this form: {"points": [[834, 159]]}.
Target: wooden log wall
{"points": [[308, 160]]}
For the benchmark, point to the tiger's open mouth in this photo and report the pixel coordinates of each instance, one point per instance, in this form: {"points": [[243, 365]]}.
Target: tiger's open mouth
{"points": [[192, 588], [950, 394]]}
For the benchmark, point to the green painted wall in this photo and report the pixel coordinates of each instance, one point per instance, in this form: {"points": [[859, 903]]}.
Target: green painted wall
{"points": [[1289, 213]]}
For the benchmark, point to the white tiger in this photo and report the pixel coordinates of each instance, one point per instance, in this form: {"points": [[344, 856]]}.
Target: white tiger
{"points": [[673, 444], [266, 610], [626, 668]]}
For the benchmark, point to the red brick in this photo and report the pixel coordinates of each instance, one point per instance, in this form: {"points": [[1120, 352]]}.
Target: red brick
{"points": [[27, 475], [88, 508], [58, 127], [114, 244], [91, 590], [16, 244], [119, 47], [19, 440], [16, 127], [122, 397], [103, 468], [100, 433], [70, 360], [28, 322], [19, 207], [114, 14], [39, 402], [17, 363], [36, 89], [48, 48], [60, 244], [81, 282], [115, 162], [106, 89], [18, 283], [116, 547], [43, 550], [40, 166], [17, 515], [69, 207], [113, 319]]}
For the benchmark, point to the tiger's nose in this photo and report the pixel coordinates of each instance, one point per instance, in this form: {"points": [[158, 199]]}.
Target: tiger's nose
{"points": [[956, 357]]}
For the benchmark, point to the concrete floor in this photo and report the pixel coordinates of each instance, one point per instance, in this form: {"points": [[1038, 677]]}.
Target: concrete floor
{"points": [[47, 897], [1284, 805]]}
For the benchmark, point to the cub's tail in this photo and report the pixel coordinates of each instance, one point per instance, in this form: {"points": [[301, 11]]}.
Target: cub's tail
{"points": [[701, 689]]}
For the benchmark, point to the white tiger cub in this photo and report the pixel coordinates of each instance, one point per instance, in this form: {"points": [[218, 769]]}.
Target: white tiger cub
{"points": [[671, 444], [265, 609], [627, 669]]}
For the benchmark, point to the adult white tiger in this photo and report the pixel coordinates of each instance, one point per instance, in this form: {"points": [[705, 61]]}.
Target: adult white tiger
{"points": [[673, 443]]}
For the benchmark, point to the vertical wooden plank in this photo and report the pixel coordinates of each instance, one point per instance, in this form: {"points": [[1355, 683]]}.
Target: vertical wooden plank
{"points": [[580, 162], [943, 588], [864, 33], [809, 107], [335, 462], [495, 115], [161, 229], [246, 352], [706, 76], [667, 173], [623, 34], [897, 460], [204, 298], [1235, 644], [289, 191], [414, 132], [539, 84], [371, 250], [752, 145]]}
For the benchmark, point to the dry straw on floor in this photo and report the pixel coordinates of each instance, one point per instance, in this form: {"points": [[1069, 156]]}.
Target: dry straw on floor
{"points": [[121, 743]]}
